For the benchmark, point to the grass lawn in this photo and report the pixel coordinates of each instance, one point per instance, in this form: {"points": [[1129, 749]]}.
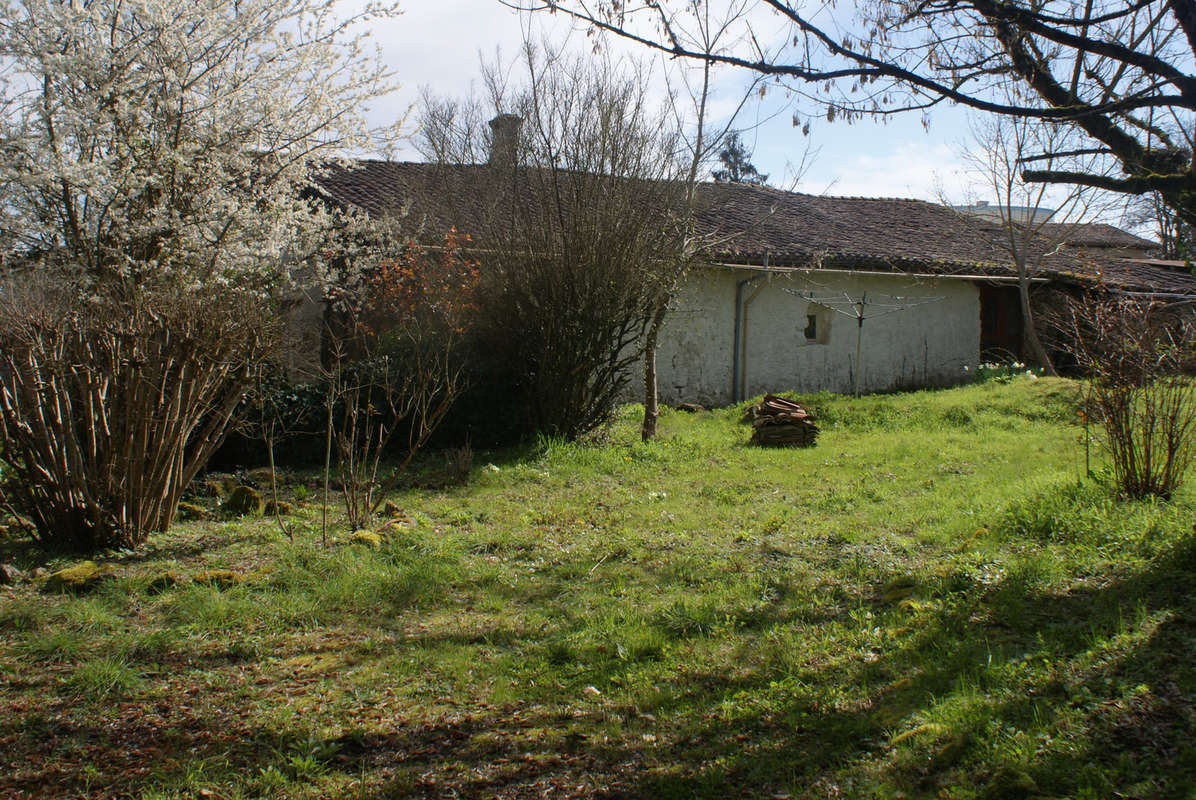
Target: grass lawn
{"points": [[929, 603]]}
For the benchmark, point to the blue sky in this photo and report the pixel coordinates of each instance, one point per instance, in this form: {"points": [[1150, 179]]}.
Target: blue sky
{"points": [[437, 43]]}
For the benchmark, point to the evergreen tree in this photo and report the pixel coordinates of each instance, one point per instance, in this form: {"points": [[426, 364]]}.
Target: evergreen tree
{"points": [[737, 163]]}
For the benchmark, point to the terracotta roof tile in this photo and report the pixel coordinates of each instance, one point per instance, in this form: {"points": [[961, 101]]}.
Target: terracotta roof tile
{"points": [[747, 224], [1096, 234]]}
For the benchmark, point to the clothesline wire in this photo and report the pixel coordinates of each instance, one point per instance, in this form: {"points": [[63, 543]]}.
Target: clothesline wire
{"points": [[865, 300], [844, 304]]}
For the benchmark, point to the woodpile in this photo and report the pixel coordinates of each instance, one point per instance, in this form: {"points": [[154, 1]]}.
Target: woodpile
{"points": [[778, 422]]}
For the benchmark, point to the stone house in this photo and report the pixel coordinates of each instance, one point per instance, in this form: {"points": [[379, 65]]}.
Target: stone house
{"points": [[803, 292]]}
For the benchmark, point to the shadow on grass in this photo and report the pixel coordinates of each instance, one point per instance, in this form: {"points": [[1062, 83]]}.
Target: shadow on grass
{"points": [[121, 752], [496, 756], [1109, 714], [19, 549], [180, 745], [1120, 710], [1016, 692], [1104, 669]]}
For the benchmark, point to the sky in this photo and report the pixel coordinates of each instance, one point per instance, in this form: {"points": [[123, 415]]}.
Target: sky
{"points": [[437, 44]]}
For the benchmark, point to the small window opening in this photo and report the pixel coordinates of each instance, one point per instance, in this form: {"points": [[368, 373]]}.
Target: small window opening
{"points": [[811, 327], [818, 324]]}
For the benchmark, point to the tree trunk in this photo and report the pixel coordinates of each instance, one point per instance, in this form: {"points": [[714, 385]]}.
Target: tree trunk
{"points": [[1038, 352], [651, 393], [329, 401]]}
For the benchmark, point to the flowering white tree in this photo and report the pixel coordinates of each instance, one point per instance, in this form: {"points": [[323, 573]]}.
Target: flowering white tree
{"points": [[154, 184]]}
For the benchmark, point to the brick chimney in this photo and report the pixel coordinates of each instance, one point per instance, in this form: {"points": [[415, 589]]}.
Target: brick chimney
{"points": [[504, 138]]}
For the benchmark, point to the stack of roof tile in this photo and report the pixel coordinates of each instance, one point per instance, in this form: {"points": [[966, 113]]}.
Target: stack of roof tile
{"points": [[778, 422]]}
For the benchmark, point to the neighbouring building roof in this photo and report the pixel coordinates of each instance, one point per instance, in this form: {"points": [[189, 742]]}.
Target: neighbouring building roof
{"points": [[1096, 234], [1168, 263], [998, 212], [754, 225], [1139, 275]]}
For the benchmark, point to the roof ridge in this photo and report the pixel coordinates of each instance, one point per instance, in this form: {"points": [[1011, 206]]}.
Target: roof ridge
{"points": [[791, 193], [729, 184]]}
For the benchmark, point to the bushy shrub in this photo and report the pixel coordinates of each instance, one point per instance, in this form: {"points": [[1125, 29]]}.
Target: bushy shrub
{"points": [[1139, 356]]}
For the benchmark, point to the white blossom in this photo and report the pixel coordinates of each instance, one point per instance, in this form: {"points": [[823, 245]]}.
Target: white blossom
{"points": [[154, 138]]}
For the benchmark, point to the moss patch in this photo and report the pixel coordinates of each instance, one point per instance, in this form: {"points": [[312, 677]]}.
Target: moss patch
{"points": [[279, 508], [244, 501], [211, 488], [77, 579], [220, 578], [367, 538], [191, 511], [164, 581]]}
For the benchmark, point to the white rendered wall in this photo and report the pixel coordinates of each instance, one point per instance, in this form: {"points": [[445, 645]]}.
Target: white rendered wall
{"points": [[927, 344]]}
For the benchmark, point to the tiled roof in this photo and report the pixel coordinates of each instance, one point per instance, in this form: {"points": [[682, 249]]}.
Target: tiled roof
{"points": [[1140, 276], [1095, 234], [436, 196], [746, 224]]}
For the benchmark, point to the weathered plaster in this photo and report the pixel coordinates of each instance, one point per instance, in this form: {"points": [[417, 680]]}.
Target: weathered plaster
{"points": [[923, 345]]}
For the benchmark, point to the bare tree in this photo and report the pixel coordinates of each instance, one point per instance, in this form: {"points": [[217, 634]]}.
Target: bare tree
{"points": [[1120, 73], [1037, 221], [583, 214], [690, 104]]}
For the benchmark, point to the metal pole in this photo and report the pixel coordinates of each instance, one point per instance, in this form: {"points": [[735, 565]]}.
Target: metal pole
{"points": [[859, 336], [738, 334]]}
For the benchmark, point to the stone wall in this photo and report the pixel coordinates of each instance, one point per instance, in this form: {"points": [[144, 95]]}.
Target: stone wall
{"points": [[924, 332]]}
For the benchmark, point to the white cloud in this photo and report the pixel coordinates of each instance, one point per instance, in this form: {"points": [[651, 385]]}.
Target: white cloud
{"points": [[439, 44], [436, 43], [906, 169]]}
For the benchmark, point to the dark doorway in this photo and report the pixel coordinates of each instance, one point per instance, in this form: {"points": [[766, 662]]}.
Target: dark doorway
{"points": [[1000, 324]]}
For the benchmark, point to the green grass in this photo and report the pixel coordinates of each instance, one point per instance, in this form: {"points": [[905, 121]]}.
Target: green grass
{"points": [[932, 602], [103, 679]]}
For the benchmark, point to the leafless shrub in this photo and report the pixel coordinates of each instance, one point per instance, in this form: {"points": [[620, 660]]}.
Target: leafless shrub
{"points": [[1139, 355], [393, 362], [581, 212], [110, 403]]}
